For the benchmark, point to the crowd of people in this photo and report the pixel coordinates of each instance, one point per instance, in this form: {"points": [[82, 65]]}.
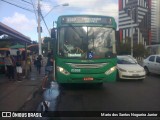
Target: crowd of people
{"points": [[20, 65]]}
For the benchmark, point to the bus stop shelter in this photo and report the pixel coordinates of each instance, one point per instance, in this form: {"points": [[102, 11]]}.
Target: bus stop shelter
{"points": [[15, 35]]}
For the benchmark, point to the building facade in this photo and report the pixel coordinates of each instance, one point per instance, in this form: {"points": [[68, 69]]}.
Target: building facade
{"points": [[135, 21], [155, 24]]}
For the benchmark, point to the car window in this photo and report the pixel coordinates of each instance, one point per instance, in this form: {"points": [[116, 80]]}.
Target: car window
{"points": [[151, 59], [125, 60], [158, 59]]}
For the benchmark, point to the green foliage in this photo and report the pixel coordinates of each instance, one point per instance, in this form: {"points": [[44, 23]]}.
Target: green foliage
{"points": [[46, 40], [47, 44], [123, 49], [138, 49], [5, 44]]}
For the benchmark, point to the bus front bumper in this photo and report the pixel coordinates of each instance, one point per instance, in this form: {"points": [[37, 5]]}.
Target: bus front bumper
{"points": [[86, 78]]}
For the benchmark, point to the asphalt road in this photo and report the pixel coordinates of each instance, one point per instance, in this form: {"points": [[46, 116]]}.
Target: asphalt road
{"points": [[120, 96], [127, 95]]}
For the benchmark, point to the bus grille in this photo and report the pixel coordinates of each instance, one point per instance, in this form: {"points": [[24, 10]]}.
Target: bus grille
{"points": [[97, 65]]}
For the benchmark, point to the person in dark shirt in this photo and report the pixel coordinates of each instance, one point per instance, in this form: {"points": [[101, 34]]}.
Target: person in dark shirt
{"points": [[109, 53], [10, 63], [23, 63], [39, 63], [49, 65]]}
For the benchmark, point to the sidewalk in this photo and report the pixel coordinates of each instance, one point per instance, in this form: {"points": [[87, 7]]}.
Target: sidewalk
{"points": [[21, 96]]}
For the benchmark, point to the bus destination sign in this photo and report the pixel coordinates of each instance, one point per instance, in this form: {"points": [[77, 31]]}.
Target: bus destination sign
{"points": [[95, 20]]}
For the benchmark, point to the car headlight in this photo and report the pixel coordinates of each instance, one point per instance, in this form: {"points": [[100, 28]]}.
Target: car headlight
{"points": [[112, 69], [122, 70], [143, 70], [62, 70]]}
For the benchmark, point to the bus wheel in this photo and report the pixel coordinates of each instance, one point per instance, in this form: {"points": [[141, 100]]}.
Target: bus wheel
{"points": [[99, 84], [118, 78]]}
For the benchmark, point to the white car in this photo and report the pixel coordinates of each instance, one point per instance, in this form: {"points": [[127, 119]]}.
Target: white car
{"points": [[152, 64], [128, 68]]}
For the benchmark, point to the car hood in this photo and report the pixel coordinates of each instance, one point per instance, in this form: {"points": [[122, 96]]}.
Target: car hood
{"points": [[130, 67]]}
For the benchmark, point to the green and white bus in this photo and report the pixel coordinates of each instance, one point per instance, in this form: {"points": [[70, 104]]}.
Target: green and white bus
{"points": [[84, 49]]}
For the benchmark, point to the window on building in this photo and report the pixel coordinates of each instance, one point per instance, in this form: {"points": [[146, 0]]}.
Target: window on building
{"points": [[129, 12], [135, 15]]}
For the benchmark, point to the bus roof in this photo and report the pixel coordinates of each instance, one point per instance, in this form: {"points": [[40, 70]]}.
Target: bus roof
{"points": [[86, 15]]}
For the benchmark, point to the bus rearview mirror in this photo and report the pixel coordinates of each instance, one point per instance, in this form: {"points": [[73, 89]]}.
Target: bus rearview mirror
{"points": [[53, 33]]}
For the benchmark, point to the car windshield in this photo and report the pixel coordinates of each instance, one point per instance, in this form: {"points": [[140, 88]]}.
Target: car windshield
{"points": [[126, 60], [85, 42]]}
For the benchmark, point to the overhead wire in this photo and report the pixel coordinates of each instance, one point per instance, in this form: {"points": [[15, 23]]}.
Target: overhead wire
{"points": [[27, 2], [21, 2], [44, 22], [17, 5], [34, 10]]}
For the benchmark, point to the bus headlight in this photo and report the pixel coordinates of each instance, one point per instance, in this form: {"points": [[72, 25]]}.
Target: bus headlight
{"points": [[112, 69], [62, 70]]}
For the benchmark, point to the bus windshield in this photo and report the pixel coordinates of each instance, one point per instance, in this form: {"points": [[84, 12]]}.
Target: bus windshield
{"points": [[86, 42]]}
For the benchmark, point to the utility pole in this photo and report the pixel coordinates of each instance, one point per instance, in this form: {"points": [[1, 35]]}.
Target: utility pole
{"points": [[39, 29]]}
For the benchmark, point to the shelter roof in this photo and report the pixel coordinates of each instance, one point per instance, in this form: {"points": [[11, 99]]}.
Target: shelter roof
{"points": [[4, 29]]}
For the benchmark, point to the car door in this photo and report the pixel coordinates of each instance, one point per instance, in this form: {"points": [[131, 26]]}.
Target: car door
{"points": [[157, 67], [151, 64]]}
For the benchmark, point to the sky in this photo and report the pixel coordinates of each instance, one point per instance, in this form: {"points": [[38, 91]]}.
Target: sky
{"points": [[25, 21]]}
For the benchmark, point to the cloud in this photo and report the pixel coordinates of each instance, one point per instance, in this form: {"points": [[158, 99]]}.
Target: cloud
{"points": [[20, 22], [98, 7], [111, 10], [45, 6]]}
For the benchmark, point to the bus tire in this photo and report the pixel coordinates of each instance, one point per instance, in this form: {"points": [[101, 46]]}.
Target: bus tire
{"points": [[118, 78], [99, 84]]}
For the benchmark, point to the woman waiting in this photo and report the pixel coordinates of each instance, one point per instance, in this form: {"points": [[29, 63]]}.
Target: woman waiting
{"points": [[9, 62]]}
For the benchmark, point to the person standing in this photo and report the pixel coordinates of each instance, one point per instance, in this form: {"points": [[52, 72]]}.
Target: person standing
{"points": [[34, 59], [49, 64], [9, 62], [19, 66], [39, 63], [28, 64], [23, 63], [49, 77]]}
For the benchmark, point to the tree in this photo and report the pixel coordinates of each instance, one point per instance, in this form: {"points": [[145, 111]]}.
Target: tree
{"points": [[48, 44], [139, 50], [5, 44], [123, 49]]}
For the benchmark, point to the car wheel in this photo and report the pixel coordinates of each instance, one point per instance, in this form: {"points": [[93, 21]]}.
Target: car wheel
{"points": [[147, 71]]}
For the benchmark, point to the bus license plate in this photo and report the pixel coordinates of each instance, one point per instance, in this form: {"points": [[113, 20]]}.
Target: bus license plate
{"points": [[88, 78]]}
